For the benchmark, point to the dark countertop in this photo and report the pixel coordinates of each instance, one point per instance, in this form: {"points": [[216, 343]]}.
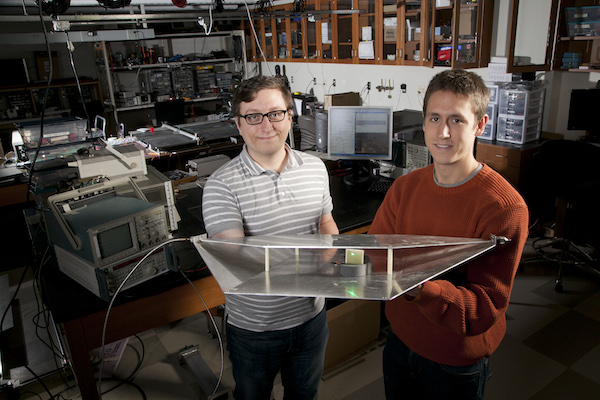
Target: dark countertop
{"points": [[354, 207]]}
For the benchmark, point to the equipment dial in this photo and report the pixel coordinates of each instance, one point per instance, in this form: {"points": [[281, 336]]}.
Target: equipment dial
{"points": [[150, 270]]}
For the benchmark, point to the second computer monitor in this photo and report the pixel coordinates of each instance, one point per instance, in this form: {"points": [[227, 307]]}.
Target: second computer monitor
{"points": [[360, 132]]}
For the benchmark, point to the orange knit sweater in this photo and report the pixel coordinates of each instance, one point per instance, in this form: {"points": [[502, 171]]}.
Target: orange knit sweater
{"points": [[460, 317]]}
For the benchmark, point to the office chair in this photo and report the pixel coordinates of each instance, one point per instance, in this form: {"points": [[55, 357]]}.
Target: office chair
{"points": [[564, 187]]}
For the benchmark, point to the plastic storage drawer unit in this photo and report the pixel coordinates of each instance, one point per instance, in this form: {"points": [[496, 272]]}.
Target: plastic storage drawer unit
{"points": [[521, 103], [587, 28], [582, 14], [56, 131], [489, 132], [518, 129]]}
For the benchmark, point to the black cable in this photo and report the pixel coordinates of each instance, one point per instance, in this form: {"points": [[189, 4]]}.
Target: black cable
{"points": [[77, 80], [29, 392], [299, 6], [42, 310], [135, 370], [114, 3], [10, 352], [53, 7], [139, 389], [43, 112], [13, 298]]}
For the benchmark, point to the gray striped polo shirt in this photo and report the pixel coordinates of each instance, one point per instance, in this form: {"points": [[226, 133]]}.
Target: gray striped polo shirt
{"points": [[243, 195]]}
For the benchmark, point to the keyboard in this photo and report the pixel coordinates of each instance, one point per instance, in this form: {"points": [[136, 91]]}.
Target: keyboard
{"points": [[380, 186]]}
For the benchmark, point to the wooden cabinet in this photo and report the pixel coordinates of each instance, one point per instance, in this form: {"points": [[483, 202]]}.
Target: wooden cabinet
{"points": [[414, 37], [462, 33], [456, 33], [531, 39], [561, 27], [510, 160], [578, 31]]}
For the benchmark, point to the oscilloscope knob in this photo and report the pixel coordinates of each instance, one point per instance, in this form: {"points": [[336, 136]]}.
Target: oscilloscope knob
{"points": [[151, 270]]}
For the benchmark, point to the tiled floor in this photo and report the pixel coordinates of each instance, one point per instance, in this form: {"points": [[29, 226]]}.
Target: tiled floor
{"points": [[551, 351]]}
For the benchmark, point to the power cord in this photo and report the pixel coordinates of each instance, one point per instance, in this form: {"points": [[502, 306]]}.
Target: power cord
{"points": [[256, 38], [44, 102], [112, 301], [212, 320], [70, 50]]}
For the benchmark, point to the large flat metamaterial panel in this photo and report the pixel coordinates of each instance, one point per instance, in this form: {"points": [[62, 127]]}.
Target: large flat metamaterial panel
{"points": [[317, 265]]}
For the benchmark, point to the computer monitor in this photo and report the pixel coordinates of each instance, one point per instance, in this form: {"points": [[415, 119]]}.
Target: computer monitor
{"points": [[583, 111], [14, 72], [172, 112], [360, 134], [407, 119]]}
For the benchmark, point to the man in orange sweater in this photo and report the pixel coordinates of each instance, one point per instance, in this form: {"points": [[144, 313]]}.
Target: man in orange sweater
{"points": [[445, 329]]}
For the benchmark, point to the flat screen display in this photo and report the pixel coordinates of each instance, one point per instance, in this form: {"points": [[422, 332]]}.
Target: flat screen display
{"points": [[583, 110], [115, 240], [360, 132], [13, 72]]}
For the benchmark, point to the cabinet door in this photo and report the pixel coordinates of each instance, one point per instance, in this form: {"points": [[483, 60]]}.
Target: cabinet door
{"points": [[574, 36], [416, 32], [249, 40], [473, 30], [389, 32], [367, 50], [282, 37], [346, 34], [268, 42], [264, 48], [531, 36], [311, 33], [296, 33], [327, 32], [465, 44], [462, 33], [443, 31]]}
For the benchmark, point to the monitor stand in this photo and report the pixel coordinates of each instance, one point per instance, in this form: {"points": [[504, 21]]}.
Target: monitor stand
{"points": [[361, 173]]}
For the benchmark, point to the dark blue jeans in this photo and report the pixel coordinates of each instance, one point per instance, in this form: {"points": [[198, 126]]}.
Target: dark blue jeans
{"points": [[256, 357], [408, 375]]}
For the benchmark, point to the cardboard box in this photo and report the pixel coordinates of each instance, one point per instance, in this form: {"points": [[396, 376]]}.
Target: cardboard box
{"points": [[113, 352], [389, 34], [467, 21], [508, 77], [342, 99], [353, 327], [43, 65], [497, 68]]}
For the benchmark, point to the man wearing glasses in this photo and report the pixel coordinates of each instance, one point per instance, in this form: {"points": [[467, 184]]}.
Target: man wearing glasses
{"points": [[271, 189]]}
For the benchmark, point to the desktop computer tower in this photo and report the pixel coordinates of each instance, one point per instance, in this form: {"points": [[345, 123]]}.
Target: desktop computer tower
{"points": [[321, 131]]}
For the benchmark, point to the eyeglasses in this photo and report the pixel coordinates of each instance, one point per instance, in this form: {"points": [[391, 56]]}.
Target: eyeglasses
{"points": [[257, 118]]}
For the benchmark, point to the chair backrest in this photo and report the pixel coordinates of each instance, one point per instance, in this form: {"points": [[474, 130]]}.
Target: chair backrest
{"points": [[567, 170], [571, 169]]}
